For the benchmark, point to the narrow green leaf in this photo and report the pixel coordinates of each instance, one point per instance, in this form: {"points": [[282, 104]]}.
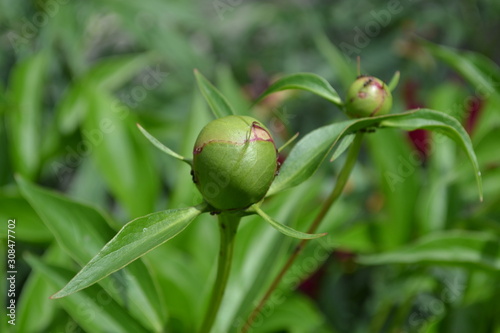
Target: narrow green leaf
{"points": [[82, 231], [487, 66], [307, 155], [3, 99], [398, 184], [467, 248], [135, 239], [265, 251], [72, 108], [87, 185], [162, 147], [30, 227], [178, 273], [449, 126], [107, 75], [394, 81], [339, 62], [292, 139], [5, 168], [434, 198], [230, 88], [304, 81], [480, 72], [25, 114], [184, 190], [218, 103], [487, 148], [310, 151], [344, 143], [112, 72], [92, 309], [489, 119], [121, 154], [79, 229], [294, 313], [35, 294], [286, 230]]}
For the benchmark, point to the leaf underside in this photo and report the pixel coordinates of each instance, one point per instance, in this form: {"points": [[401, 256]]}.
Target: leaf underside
{"points": [[307, 82], [135, 239], [218, 103], [286, 230], [308, 154]]}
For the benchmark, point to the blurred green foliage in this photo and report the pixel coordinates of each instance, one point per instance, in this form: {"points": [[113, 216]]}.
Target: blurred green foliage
{"points": [[410, 247]]}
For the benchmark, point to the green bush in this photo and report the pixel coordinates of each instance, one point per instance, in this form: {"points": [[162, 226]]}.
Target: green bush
{"points": [[409, 203]]}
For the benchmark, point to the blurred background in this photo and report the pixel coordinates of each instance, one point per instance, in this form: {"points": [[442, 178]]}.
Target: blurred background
{"points": [[411, 248]]}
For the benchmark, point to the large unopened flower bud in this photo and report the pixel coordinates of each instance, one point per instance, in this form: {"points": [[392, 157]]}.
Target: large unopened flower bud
{"points": [[234, 162], [368, 97]]}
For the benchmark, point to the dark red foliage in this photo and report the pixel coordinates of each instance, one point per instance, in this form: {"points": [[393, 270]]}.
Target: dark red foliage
{"points": [[410, 89], [312, 285], [474, 108], [419, 138]]}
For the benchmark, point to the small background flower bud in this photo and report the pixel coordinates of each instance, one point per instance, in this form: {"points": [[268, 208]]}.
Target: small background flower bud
{"points": [[234, 162], [368, 97]]}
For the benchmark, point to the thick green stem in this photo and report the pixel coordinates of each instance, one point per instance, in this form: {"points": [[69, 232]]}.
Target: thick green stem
{"points": [[228, 224], [342, 178]]}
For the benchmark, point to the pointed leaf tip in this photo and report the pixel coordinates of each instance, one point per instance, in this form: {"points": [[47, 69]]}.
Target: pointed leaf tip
{"points": [[55, 296], [394, 81], [162, 147], [292, 139], [286, 230], [304, 81], [218, 103], [447, 125], [135, 239]]}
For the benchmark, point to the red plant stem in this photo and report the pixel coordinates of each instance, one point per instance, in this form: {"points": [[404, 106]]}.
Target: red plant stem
{"points": [[334, 195]]}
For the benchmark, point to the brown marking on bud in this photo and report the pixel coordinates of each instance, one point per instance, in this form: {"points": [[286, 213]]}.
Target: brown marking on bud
{"points": [[224, 138], [278, 167], [193, 176], [367, 82], [259, 133], [377, 84]]}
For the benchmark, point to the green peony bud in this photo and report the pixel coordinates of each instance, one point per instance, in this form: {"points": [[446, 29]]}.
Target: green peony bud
{"points": [[234, 162], [368, 97]]}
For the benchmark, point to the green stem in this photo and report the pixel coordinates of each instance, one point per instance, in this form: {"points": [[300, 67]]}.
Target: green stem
{"points": [[342, 178], [228, 224]]}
